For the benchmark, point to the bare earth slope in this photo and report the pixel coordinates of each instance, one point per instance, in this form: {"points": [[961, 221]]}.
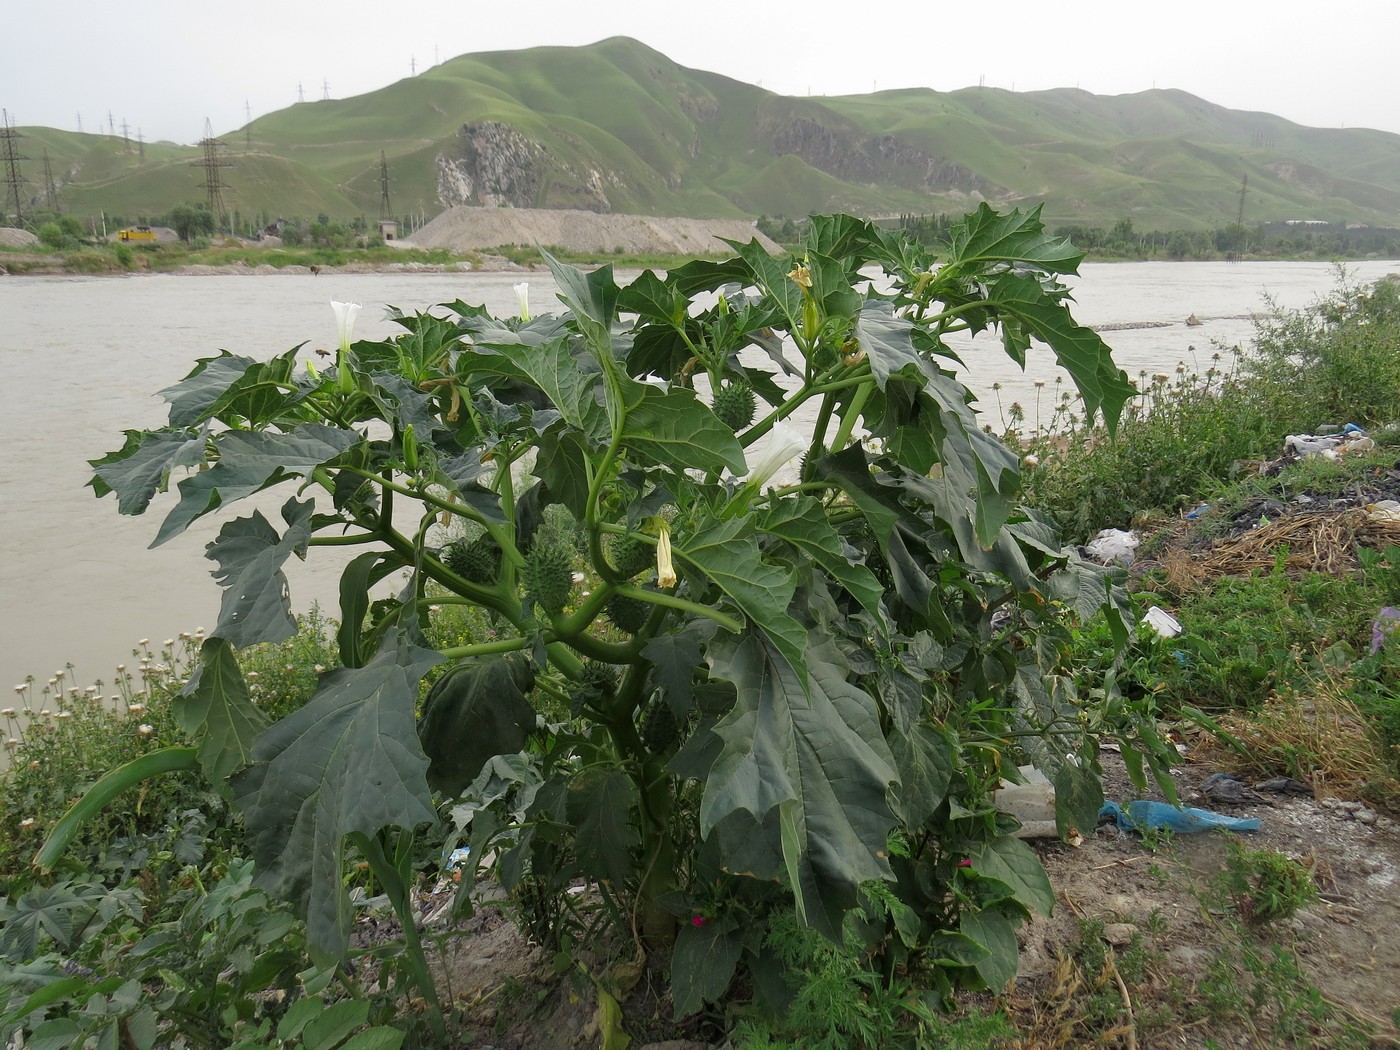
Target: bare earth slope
{"points": [[473, 229]]}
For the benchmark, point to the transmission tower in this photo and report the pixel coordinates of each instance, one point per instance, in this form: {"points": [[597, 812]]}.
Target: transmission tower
{"points": [[126, 135], [14, 181], [301, 94], [111, 124], [80, 123], [141, 145], [213, 181], [50, 188], [385, 210], [325, 90]]}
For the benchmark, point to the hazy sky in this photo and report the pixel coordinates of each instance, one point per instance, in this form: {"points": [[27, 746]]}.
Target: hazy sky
{"points": [[163, 66]]}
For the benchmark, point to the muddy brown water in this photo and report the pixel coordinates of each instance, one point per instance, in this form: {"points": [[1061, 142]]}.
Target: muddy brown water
{"points": [[82, 357]]}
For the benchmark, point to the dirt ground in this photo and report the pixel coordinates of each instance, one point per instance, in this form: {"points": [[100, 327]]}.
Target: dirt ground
{"points": [[1153, 896], [1347, 941]]}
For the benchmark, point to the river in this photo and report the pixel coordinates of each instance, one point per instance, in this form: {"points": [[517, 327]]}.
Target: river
{"points": [[82, 357]]}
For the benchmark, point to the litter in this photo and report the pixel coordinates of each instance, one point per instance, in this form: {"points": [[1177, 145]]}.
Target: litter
{"points": [[1113, 547], [1161, 621], [1187, 820], [1194, 514], [1032, 803]]}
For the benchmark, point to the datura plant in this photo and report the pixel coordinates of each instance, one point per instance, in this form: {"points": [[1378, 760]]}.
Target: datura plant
{"points": [[714, 690]]}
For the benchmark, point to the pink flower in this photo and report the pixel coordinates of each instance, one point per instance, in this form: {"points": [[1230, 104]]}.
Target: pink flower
{"points": [[698, 920], [966, 862]]}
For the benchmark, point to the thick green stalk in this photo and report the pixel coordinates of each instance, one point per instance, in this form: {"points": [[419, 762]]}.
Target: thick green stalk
{"points": [[396, 887]]}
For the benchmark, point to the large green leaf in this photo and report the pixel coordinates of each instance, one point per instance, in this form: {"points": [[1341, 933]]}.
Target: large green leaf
{"points": [[995, 930], [217, 710], [193, 398], [1012, 862], [818, 755], [593, 298], [601, 805], [675, 430], [727, 553], [249, 462], [1080, 352], [349, 761], [703, 963], [256, 606], [142, 467], [653, 299], [925, 758], [552, 368], [987, 237], [475, 711], [803, 523]]}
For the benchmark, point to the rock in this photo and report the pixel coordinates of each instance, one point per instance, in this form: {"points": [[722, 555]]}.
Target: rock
{"points": [[1187, 957], [1365, 816], [1119, 934]]}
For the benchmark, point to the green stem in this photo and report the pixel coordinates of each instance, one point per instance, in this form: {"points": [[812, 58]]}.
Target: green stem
{"points": [[672, 601], [848, 420], [344, 541], [503, 645], [391, 878]]}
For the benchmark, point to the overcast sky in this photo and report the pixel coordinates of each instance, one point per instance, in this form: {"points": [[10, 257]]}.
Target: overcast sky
{"points": [[163, 66]]}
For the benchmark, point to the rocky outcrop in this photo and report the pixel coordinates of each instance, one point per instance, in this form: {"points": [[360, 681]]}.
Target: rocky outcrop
{"points": [[495, 165], [854, 157]]}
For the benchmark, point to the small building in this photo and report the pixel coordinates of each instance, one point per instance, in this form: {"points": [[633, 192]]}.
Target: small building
{"points": [[389, 229]]}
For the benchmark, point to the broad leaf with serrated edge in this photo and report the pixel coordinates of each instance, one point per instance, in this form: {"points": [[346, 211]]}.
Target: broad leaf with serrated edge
{"points": [[249, 462], [256, 606], [142, 467], [987, 236], [601, 803], [349, 761], [804, 524], [817, 754], [217, 710], [675, 429], [727, 552]]}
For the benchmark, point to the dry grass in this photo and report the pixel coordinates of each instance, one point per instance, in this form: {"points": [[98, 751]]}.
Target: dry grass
{"points": [[1321, 738]]}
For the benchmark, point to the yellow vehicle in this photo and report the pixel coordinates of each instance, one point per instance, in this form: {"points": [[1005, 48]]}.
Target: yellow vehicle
{"points": [[137, 233]]}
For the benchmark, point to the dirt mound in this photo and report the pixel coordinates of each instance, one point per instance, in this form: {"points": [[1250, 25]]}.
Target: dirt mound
{"points": [[471, 229]]}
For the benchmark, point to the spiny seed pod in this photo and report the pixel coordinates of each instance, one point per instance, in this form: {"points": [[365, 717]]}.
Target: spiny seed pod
{"points": [[658, 727], [734, 404], [549, 574], [477, 560], [628, 614], [628, 555], [601, 676]]}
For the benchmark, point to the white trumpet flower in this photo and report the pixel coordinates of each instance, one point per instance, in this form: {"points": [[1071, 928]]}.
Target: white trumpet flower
{"points": [[522, 297], [345, 314], [784, 445]]}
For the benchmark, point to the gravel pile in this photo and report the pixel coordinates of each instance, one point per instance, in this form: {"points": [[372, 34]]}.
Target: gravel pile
{"points": [[473, 229], [13, 238]]}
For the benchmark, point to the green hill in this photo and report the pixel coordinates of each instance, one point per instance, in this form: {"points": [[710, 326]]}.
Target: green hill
{"points": [[618, 127]]}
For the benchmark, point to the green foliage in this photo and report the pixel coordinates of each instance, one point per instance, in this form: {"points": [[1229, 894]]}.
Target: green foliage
{"points": [[1186, 433], [804, 726], [1265, 885], [61, 738]]}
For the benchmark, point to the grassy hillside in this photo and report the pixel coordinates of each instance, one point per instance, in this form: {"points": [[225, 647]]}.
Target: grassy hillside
{"points": [[619, 127]]}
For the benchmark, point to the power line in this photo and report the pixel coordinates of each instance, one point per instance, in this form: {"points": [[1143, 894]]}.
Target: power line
{"points": [[14, 181], [50, 189], [213, 181]]}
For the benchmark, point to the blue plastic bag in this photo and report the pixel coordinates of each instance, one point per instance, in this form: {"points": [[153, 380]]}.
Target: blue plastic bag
{"points": [[1157, 815]]}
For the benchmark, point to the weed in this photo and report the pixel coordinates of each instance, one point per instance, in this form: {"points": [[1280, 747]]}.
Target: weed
{"points": [[1264, 885]]}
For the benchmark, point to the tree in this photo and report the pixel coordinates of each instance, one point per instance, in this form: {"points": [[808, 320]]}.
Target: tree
{"points": [[191, 221]]}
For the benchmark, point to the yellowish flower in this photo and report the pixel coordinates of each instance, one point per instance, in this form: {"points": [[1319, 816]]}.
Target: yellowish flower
{"points": [[802, 275], [665, 570]]}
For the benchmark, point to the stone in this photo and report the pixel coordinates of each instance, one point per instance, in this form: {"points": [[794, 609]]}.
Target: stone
{"points": [[1119, 934]]}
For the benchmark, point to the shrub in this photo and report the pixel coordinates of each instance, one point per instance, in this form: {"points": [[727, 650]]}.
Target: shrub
{"points": [[805, 723]]}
